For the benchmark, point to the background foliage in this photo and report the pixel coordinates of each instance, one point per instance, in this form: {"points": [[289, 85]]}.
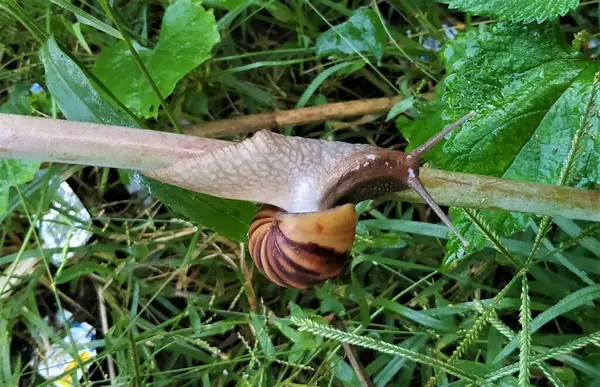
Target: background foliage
{"points": [[166, 279]]}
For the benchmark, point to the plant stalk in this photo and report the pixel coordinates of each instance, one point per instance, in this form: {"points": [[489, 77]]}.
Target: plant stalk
{"points": [[491, 193], [82, 143], [254, 122], [72, 142]]}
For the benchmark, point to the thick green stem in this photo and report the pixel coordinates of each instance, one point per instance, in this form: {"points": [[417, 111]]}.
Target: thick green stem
{"points": [[490, 193]]}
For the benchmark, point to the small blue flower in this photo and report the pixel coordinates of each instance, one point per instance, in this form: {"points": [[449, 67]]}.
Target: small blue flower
{"points": [[449, 31], [36, 88], [432, 44]]}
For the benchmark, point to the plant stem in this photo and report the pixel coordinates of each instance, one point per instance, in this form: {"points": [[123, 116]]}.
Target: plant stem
{"points": [[254, 122], [83, 143], [491, 193]]}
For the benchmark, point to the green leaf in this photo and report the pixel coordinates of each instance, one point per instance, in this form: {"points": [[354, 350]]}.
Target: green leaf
{"points": [[362, 33], [187, 36], [400, 107], [574, 300], [80, 269], [225, 4], [304, 342], [314, 85], [79, 101], [88, 19], [15, 172], [511, 76], [75, 96], [414, 315], [231, 218], [262, 335], [18, 101], [530, 90], [330, 300], [517, 10], [418, 131], [344, 372], [415, 344]]}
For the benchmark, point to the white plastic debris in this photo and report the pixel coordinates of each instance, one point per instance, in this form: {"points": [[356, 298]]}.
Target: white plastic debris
{"points": [[57, 360], [55, 227]]}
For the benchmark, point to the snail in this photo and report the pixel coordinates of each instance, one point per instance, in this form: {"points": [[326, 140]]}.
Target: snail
{"points": [[304, 232], [302, 182]]}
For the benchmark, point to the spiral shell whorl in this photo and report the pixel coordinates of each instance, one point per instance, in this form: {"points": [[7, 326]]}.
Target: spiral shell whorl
{"points": [[301, 250]]}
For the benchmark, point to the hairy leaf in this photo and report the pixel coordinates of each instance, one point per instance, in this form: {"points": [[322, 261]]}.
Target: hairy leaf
{"points": [[187, 36], [362, 33], [79, 101], [518, 10], [530, 90]]}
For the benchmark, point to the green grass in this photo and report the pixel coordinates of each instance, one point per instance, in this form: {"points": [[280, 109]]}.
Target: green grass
{"points": [[176, 303]]}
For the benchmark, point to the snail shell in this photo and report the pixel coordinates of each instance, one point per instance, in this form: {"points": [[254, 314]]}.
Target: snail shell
{"points": [[301, 250]]}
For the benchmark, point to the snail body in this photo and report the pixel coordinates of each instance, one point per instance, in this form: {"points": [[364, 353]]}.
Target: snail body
{"points": [[304, 233]]}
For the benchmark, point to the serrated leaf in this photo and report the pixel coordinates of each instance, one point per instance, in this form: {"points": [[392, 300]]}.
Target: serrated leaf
{"points": [[79, 101], [517, 10], [15, 172], [361, 33], [530, 90], [187, 36]]}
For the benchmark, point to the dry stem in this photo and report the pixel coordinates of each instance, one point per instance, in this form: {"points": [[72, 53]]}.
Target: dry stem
{"points": [[254, 122]]}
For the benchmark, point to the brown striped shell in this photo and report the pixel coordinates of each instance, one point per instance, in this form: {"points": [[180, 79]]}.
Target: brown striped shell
{"points": [[301, 250]]}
